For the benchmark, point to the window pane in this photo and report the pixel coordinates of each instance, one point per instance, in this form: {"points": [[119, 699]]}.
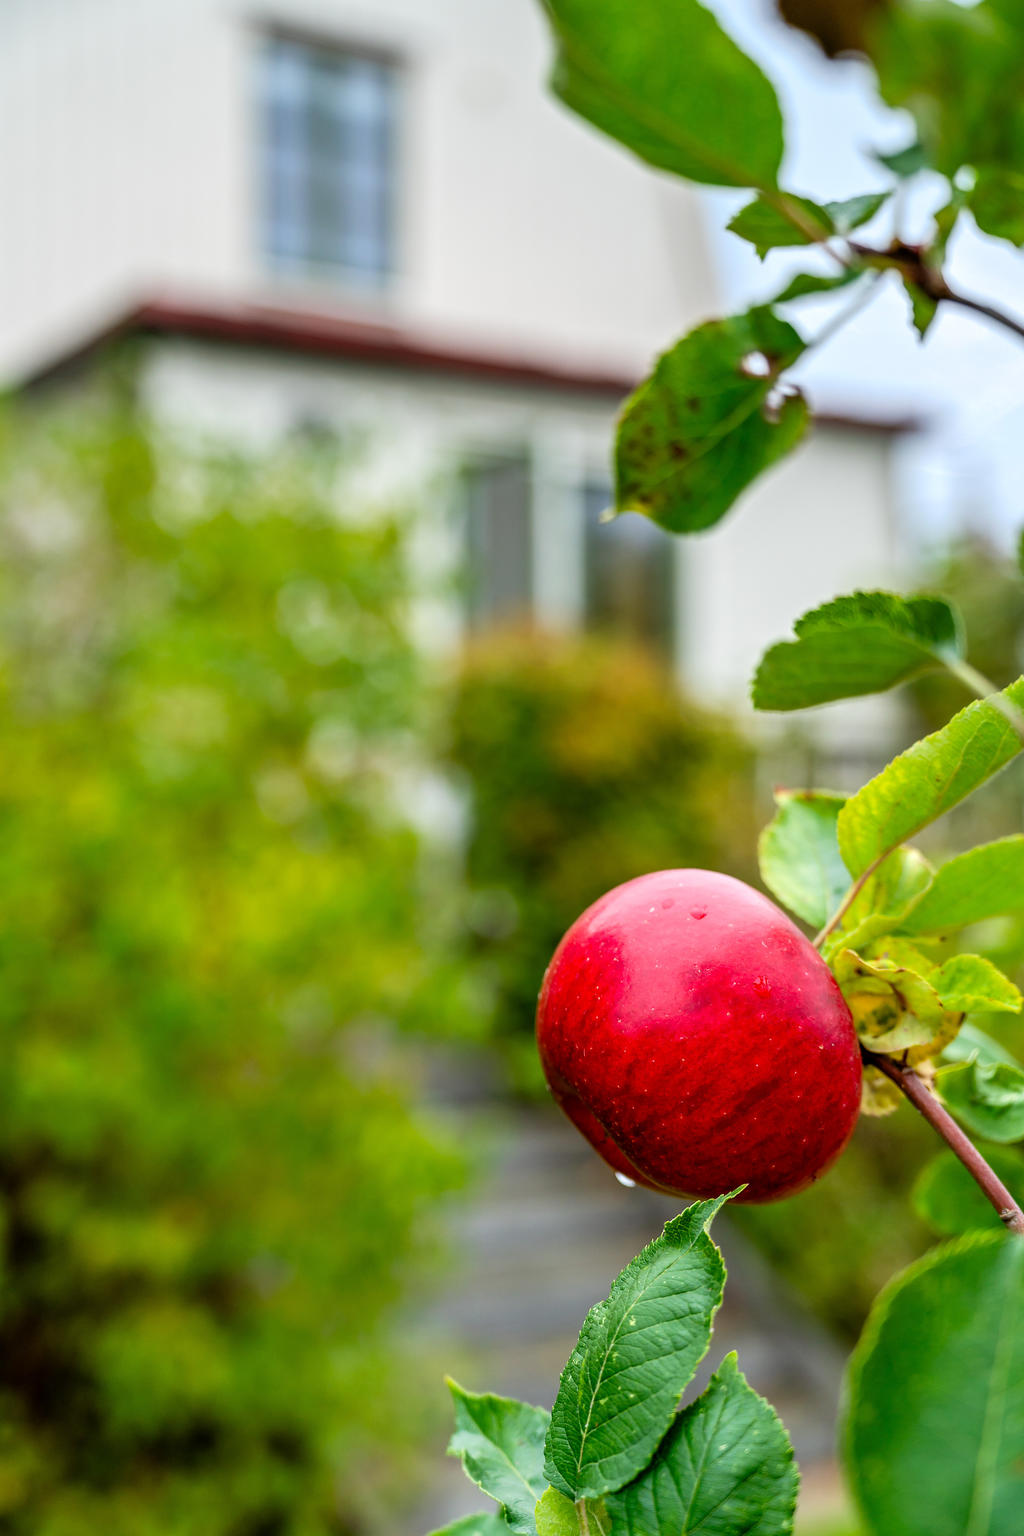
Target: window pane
{"points": [[498, 534], [328, 159], [629, 573]]}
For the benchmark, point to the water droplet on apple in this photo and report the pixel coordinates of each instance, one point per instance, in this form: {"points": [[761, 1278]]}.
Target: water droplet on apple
{"points": [[625, 1182], [762, 987], [698, 912]]}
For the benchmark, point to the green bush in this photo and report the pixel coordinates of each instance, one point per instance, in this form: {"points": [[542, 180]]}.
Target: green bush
{"points": [[212, 1188], [585, 767]]}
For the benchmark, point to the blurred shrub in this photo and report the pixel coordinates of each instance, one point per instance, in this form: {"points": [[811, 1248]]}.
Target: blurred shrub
{"points": [[585, 767], [211, 1185]]}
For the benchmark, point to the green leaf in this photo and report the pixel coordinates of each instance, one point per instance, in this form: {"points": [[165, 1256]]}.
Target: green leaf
{"points": [[766, 226], [927, 780], [667, 82], [954, 69], [904, 162], [799, 857], [948, 1199], [997, 202], [501, 1443], [957, 69], [804, 284], [945, 223], [725, 1468], [556, 1515], [475, 1525], [895, 1007], [695, 434], [923, 308], [934, 1420], [636, 1353], [852, 212], [971, 1041], [970, 983], [884, 898], [986, 882], [863, 643], [987, 1099]]}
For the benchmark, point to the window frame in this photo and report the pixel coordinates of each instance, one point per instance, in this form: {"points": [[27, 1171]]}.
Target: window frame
{"points": [[306, 275], [513, 453]]}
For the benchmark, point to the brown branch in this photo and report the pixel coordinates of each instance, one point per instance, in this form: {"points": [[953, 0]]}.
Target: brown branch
{"points": [[1010, 322], [911, 261], [939, 1118]]}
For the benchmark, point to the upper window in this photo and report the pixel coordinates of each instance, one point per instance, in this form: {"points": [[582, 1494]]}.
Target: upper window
{"points": [[328, 160]]}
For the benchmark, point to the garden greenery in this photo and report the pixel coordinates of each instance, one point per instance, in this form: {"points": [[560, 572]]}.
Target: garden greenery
{"points": [[213, 1187]]}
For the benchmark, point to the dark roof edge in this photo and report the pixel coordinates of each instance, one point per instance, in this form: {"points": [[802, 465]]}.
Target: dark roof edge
{"points": [[315, 333]]}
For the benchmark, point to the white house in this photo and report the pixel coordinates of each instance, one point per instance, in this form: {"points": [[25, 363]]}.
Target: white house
{"points": [[369, 216]]}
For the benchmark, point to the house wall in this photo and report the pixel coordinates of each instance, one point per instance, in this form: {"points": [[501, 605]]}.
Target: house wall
{"points": [[128, 164], [820, 523]]}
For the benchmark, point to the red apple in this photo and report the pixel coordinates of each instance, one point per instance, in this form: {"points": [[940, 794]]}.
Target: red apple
{"points": [[698, 1040]]}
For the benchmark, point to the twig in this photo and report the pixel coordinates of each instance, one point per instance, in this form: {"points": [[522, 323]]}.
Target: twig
{"points": [[909, 260], [864, 295], [849, 899], [990, 312], [581, 1511], [925, 1101]]}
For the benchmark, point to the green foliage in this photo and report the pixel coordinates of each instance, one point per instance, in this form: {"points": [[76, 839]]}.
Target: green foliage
{"points": [[801, 221], [946, 1335], [475, 1525], [212, 1186], [501, 1443], [725, 1468], [972, 1042], [700, 429], [804, 284], [864, 643], [636, 1353], [714, 414], [556, 1515], [987, 590], [948, 1199], [585, 768], [988, 1097], [984, 882], [927, 780], [766, 226], [668, 83], [798, 852], [621, 1455], [957, 68]]}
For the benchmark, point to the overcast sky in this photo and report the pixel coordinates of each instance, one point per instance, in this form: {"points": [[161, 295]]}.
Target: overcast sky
{"points": [[968, 377]]}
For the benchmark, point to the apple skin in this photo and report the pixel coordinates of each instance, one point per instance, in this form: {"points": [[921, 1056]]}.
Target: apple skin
{"points": [[698, 1040]]}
